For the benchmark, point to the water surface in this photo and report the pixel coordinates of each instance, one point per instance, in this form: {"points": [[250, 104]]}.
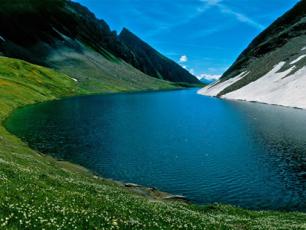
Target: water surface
{"points": [[210, 150]]}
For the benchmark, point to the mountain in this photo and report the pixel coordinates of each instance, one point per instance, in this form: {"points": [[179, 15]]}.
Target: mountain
{"points": [[207, 81], [67, 37], [151, 62], [273, 67]]}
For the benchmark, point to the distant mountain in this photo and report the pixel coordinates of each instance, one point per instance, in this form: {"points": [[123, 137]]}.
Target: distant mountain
{"points": [[66, 36], [207, 81], [273, 68], [151, 62]]}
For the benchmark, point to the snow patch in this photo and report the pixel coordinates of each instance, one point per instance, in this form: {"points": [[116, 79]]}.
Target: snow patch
{"points": [[297, 60], [76, 80], [275, 88], [2, 39], [219, 86], [304, 48]]}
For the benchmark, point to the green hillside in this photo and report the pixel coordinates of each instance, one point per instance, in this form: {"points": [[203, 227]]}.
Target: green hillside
{"points": [[66, 36], [38, 192]]}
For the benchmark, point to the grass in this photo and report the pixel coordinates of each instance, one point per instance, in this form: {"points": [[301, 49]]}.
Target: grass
{"points": [[96, 73], [38, 192]]}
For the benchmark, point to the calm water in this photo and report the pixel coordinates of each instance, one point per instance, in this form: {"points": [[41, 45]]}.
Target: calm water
{"points": [[210, 150]]}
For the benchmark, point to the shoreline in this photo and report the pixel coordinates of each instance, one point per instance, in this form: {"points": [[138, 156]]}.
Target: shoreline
{"points": [[150, 193], [36, 189]]}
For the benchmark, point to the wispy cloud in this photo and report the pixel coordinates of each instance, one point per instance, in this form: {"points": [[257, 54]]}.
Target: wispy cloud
{"points": [[237, 15], [190, 15], [198, 11], [208, 31], [240, 17], [211, 2]]}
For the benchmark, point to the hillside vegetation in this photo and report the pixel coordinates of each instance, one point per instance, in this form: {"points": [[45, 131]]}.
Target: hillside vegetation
{"points": [[38, 192], [64, 35]]}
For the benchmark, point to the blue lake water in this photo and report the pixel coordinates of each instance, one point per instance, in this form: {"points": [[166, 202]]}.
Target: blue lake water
{"points": [[210, 150]]}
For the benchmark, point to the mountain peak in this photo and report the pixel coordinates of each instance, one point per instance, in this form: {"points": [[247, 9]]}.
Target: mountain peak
{"points": [[125, 30], [34, 30], [152, 62], [272, 68]]}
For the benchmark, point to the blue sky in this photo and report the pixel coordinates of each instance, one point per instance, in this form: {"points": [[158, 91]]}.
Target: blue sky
{"points": [[204, 36]]}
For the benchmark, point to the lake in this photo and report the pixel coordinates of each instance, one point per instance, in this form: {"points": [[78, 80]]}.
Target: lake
{"points": [[210, 150]]}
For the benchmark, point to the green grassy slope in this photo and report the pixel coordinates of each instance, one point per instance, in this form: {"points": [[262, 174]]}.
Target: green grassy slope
{"points": [[36, 30], [96, 73], [38, 192]]}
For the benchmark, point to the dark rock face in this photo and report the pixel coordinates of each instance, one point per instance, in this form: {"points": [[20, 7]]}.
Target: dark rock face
{"points": [[151, 62], [23, 28], [31, 29]]}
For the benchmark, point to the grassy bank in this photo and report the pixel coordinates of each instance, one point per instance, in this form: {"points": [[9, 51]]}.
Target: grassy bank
{"points": [[38, 192]]}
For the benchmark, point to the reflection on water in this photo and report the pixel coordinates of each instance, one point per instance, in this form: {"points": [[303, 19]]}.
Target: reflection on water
{"points": [[210, 150]]}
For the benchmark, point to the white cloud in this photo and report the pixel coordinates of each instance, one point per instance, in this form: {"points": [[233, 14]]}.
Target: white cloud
{"points": [[210, 77], [183, 59]]}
